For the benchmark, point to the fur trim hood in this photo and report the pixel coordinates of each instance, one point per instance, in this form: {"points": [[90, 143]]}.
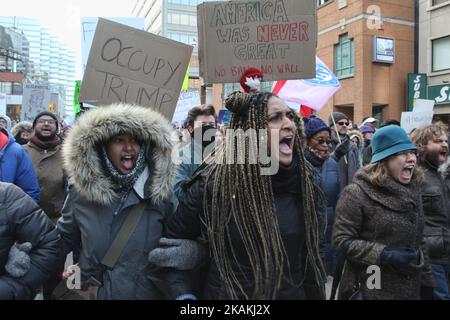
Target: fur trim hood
{"points": [[82, 161], [21, 126], [359, 135]]}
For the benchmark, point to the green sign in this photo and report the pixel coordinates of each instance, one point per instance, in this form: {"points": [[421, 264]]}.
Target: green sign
{"points": [[417, 88], [440, 94], [76, 103]]}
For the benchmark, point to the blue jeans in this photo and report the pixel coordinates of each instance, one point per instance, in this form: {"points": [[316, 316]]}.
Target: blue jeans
{"points": [[441, 274]]}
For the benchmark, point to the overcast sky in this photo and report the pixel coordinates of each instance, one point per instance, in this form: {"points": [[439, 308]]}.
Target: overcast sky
{"points": [[62, 17]]}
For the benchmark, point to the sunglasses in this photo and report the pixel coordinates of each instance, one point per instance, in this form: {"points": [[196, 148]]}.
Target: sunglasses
{"points": [[344, 123], [322, 141]]}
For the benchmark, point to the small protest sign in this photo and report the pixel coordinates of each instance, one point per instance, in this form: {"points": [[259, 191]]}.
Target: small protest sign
{"points": [[414, 120]]}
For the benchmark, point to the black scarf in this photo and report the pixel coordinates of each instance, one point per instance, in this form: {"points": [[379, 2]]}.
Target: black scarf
{"points": [[287, 180], [312, 158], [124, 181]]}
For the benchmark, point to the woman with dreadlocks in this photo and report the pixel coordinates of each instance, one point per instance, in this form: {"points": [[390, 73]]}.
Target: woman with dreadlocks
{"points": [[261, 230]]}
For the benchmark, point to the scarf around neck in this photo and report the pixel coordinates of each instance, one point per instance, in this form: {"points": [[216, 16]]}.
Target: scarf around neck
{"points": [[46, 144], [124, 181]]}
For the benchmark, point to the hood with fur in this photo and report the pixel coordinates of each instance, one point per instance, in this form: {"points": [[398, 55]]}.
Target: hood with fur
{"points": [[359, 135], [8, 121], [21, 126], [96, 127]]}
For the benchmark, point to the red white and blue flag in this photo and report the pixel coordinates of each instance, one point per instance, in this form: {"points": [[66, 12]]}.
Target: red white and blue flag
{"points": [[309, 93]]}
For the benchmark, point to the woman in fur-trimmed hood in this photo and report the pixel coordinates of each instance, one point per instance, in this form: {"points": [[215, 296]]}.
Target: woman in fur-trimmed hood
{"points": [[116, 157], [22, 132]]}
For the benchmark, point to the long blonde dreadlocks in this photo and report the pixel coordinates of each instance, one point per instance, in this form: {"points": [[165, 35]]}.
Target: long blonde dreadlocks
{"points": [[242, 195]]}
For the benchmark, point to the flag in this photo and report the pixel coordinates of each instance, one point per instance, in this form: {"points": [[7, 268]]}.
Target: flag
{"points": [[185, 86], [313, 93], [76, 103]]}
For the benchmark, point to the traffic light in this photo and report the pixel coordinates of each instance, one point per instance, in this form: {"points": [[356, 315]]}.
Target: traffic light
{"points": [[51, 107]]}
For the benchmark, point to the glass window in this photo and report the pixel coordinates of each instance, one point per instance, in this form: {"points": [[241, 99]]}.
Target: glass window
{"points": [[441, 54], [344, 57], [436, 2], [321, 2]]}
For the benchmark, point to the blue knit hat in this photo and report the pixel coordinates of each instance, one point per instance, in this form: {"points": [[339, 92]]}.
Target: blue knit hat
{"points": [[366, 129], [314, 125], [389, 140]]}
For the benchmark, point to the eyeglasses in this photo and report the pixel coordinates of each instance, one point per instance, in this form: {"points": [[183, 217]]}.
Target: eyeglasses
{"points": [[322, 141], [344, 123], [46, 121]]}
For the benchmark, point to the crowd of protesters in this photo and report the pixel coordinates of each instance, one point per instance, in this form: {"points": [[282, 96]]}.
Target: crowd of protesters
{"points": [[147, 216]]}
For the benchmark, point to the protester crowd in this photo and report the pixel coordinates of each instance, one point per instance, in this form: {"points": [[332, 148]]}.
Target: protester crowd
{"points": [[147, 212]]}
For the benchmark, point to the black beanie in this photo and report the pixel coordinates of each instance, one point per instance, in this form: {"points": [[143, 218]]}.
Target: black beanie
{"points": [[338, 116], [46, 113]]}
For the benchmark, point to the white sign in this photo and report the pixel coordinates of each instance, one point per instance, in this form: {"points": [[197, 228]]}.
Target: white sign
{"points": [[414, 120], [88, 26], [36, 99], [422, 105], [2, 103], [186, 102]]}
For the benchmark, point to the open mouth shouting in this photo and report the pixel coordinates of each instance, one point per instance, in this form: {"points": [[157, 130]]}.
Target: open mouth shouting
{"points": [[128, 162], [287, 144], [407, 172]]}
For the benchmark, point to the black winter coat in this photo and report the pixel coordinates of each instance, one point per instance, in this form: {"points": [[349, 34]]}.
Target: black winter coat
{"points": [[21, 220], [186, 223], [437, 216]]}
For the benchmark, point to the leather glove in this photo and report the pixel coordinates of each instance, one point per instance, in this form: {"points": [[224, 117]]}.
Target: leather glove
{"points": [[402, 258], [19, 261], [181, 254], [342, 149]]}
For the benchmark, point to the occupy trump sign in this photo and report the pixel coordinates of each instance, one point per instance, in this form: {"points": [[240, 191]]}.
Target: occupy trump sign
{"points": [[133, 66]]}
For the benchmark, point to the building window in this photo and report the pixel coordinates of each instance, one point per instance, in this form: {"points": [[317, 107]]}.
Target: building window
{"points": [[321, 2], [438, 2], [182, 19], [441, 54], [344, 57]]}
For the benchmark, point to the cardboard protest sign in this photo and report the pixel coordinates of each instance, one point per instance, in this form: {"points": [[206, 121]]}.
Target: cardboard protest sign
{"points": [[134, 66], [414, 120], [186, 102], [88, 26], [276, 36], [36, 99]]}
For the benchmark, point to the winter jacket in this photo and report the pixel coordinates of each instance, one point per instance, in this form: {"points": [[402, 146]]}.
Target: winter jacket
{"points": [[48, 165], [16, 167], [94, 210], [22, 220], [371, 218], [186, 168], [327, 177], [435, 196], [346, 169], [186, 223]]}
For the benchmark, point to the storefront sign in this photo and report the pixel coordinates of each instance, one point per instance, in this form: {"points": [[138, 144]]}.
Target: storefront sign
{"points": [[417, 88], [440, 94]]}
